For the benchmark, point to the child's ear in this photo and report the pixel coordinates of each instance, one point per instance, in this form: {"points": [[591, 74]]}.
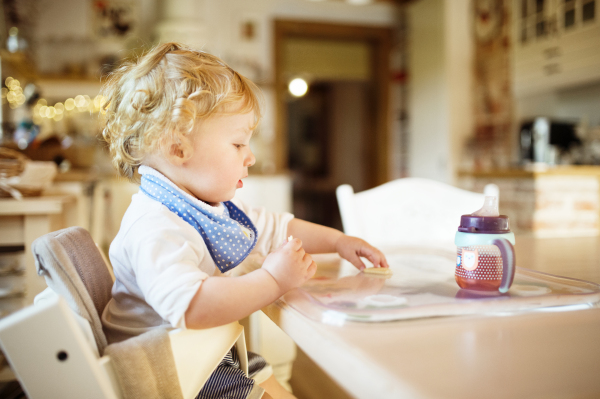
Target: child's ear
{"points": [[179, 153]]}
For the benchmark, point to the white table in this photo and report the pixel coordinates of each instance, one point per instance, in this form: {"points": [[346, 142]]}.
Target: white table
{"points": [[527, 355]]}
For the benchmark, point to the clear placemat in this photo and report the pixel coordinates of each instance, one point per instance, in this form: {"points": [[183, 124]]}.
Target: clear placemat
{"points": [[423, 285]]}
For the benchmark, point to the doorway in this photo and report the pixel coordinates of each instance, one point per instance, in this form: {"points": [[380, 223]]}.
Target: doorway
{"points": [[338, 132]]}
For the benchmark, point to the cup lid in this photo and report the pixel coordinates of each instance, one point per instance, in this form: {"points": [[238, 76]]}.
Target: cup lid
{"points": [[484, 224]]}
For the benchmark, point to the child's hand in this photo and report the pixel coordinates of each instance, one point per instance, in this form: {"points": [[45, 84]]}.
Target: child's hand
{"points": [[290, 265], [352, 248]]}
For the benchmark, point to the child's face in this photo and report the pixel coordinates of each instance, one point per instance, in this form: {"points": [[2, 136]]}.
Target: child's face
{"points": [[221, 157]]}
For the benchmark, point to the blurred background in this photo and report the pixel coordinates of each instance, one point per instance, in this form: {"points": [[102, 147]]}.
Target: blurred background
{"points": [[426, 88], [467, 92]]}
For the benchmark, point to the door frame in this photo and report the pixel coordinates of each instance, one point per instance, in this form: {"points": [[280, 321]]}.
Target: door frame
{"points": [[376, 151]]}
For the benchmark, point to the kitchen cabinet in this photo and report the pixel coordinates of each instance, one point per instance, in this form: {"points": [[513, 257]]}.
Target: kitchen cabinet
{"points": [[560, 201], [556, 44]]}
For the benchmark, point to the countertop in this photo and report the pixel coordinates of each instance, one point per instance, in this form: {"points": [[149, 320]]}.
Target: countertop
{"points": [[535, 171]]}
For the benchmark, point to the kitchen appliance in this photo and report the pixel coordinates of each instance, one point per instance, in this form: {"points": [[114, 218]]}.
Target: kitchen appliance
{"points": [[547, 141]]}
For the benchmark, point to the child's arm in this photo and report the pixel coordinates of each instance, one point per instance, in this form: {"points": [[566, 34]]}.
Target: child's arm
{"points": [[222, 300], [320, 239]]}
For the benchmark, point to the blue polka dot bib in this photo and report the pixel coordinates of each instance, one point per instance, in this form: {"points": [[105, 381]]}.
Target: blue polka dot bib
{"points": [[229, 237]]}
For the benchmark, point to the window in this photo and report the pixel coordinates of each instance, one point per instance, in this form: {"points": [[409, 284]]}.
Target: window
{"points": [[588, 11], [569, 20], [540, 23], [539, 6], [540, 28], [540, 19]]}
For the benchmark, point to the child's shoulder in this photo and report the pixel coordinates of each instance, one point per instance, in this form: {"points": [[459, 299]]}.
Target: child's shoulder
{"points": [[145, 215]]}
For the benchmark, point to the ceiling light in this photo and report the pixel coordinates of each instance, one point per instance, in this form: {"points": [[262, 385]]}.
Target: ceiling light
{"points": [[298, 87]]}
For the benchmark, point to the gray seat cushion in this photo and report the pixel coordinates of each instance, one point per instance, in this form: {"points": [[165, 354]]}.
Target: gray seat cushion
{"points": [[74, 268]]}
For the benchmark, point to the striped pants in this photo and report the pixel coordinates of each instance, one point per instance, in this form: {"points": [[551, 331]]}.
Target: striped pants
{"points": [[228, 381]]}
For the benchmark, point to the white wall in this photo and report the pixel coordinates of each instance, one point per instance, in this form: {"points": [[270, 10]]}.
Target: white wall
{"points": [[439, 105], [217, 20], [222, 19], [427, 108], [459, 75]]}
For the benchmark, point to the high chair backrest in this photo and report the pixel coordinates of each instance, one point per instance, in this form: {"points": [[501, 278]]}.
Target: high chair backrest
{"points": [[52, 356], [74, 268], [409, 211]]}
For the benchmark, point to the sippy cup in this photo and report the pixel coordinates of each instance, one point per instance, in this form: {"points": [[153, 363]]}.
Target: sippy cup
{"points": [[485, 255]]}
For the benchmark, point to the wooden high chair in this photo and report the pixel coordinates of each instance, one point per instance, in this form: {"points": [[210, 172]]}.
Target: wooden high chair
{"points": [[55, 346]]}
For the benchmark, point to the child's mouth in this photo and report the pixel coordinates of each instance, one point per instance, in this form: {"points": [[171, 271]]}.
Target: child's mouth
{"points": [[240, 184]]}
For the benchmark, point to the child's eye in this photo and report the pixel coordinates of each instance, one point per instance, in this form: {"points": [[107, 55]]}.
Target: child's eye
{"points": [[238, 145]]}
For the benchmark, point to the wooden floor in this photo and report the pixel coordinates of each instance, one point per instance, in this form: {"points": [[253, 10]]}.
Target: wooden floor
{"points": [[310, 382], [570, 257]]}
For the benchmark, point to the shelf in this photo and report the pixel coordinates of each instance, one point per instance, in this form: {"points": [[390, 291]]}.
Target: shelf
{"points": [[60, 88], [565, 170]]}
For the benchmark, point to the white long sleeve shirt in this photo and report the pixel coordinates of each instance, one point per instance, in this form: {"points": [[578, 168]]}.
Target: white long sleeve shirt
{"points": [[160, 262]]}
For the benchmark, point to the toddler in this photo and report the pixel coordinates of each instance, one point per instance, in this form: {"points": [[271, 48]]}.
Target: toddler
{"points": [[183, 119]]}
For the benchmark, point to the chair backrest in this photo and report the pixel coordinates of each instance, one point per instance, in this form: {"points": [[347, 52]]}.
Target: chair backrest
{"points": [[409, 211], [74, 268], [52, 358], [50, 355]]}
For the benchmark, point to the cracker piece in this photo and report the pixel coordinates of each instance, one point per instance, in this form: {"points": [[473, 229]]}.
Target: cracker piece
{"points": [[383, 271]]}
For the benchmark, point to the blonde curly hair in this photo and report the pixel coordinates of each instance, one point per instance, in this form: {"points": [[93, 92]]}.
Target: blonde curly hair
{"points": [[155, 101]]}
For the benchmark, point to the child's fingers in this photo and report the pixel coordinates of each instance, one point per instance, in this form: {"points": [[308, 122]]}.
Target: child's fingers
{"points": [[307, 259], [355, 260], [312, 269], [375, 257], [295, 243], [384, 261]]}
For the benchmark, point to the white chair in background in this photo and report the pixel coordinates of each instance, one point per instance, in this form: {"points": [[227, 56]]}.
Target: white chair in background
{"points": [[55, 346], [408, 212]]}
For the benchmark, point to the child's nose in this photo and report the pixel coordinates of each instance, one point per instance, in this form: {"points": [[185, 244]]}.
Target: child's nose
{"points": [[250, 160]]}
